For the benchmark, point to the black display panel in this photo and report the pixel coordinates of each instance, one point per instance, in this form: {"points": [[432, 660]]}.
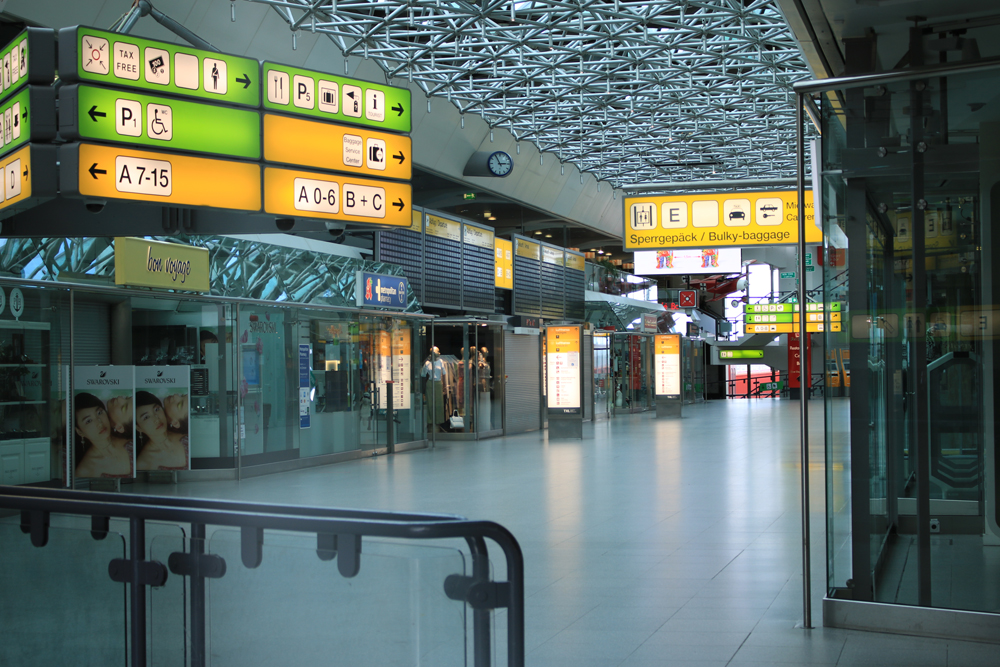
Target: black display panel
{"points": [[527, 286], [443, 277], [403, 248], [575, 297], [552, 291]]}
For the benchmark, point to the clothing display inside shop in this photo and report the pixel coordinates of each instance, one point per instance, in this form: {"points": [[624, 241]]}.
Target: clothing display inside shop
{"points": [[446, 377]]}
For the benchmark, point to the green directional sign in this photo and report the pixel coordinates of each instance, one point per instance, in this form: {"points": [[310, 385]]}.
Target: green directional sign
{"points": [[771, 318], [772, 386], [106, 114], [741, 354], [320, 95], [29, 115], [28, 58], [112, 59], [833, 306], [786, 274]]}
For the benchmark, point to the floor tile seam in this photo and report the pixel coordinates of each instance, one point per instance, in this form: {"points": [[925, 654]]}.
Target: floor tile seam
{"points": [[643, 642]]}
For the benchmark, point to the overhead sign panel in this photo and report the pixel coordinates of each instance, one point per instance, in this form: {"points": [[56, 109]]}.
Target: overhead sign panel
{"points": [[309, 143], [688, 261], [336, 98], [106, 114], [28, 58], [714, 220], [29, 115], [117, 172], [112, 59], [29, 178], [304, 194]]}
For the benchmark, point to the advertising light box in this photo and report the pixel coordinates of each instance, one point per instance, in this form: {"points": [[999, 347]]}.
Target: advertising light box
{"points": [[687, 261]]}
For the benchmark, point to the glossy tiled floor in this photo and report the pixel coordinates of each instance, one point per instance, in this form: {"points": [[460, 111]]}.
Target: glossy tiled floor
{"points": [[651, 542]]}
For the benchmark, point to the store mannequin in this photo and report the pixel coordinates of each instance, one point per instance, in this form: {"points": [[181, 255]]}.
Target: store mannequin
{"points": [[433, 370], [485, 406]]}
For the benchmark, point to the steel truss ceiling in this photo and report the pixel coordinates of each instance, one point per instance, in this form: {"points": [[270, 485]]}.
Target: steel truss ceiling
{"points": [[631, 92]]}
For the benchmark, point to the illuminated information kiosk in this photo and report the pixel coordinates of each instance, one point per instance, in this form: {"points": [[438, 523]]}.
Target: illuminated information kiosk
{"points": [[667, 360], [564, 381]]}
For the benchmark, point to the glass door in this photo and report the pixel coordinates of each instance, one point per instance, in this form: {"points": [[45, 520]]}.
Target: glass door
{"points": [[603, 378], [374, 369]]}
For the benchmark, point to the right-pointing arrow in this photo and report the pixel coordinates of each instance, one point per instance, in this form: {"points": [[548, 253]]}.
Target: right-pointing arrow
{"points": [[400, 204], [94, 171], [399, 156], [398, 109]]}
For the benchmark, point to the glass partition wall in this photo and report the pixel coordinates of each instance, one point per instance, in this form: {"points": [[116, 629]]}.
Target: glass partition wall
{"points": [[632, 368], [909, 187], [266, 384]]}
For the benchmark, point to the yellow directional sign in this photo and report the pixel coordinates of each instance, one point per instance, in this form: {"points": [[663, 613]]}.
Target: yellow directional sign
{"points": [[105, 172], [29, 178], [336, 197], [310, 143], [716, 220]]}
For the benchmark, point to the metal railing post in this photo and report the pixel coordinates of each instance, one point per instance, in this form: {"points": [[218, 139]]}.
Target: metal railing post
{"points": [[804, 386], [137, 555], [198, 617]]}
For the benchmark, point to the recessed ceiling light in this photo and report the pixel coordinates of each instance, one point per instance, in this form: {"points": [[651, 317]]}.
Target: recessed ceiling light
{"points": [[548, 236], [538, 232], [492, 217]]}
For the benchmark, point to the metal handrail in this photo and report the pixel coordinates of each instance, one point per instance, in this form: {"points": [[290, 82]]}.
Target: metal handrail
{"points": [[339, 532], [895, 76]]}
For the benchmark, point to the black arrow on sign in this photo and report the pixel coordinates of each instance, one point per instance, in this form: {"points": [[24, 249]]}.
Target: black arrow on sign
{"points": [[399, 156], [399, 204], [94, 113], [25, 172], [94, 171], [245, 80], [398, 109], [24, 114]]}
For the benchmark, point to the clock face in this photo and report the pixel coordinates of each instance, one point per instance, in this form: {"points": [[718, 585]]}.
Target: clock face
{"points": [[500, 164]]}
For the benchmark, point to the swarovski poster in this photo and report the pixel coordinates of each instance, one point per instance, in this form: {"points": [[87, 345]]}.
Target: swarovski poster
{"points": [[103, 421], [162, 415]]}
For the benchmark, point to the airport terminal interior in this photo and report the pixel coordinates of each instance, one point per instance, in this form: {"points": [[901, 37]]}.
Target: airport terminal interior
{"points": [[425, 332]]}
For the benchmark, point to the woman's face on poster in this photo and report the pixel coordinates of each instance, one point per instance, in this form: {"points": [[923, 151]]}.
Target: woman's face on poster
{"points": [[176, 407], [120, 412], [150, 421], [92, 424]]}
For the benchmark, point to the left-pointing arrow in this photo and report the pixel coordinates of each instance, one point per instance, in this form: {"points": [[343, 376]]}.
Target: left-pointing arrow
{"points": [[94, 171], [399, 203], [95, 114]]}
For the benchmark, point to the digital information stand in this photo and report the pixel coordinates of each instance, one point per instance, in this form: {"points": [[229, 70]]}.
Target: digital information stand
{"points": [[564, 381], [669, 400]]}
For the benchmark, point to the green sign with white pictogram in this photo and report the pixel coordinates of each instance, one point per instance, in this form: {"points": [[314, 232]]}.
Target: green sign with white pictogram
{"points": [[335, 98], [741, 354], [772, 386], [113, 59], [29, 115], [786, 274], [106, 114], [28, 58], [834, 306], [809, 259]]}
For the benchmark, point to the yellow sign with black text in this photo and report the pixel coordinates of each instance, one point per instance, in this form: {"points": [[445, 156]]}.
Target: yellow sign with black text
{"points": [[503, 261], [320, 145], [716, 220], [336, 197], [106, 172]]}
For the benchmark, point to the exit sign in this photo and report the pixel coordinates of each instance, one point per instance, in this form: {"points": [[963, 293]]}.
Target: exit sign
{"points": [[469, 195], [787, 274]]}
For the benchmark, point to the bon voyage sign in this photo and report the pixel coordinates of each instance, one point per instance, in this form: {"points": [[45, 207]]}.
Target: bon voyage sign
{"points": [[156, 264]]}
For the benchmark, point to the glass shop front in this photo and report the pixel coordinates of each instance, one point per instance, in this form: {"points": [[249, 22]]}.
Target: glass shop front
{"points": [[169, 386]]}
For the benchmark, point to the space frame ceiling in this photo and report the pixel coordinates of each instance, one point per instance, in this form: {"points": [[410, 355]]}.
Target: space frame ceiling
{"points": [[631, 92]]}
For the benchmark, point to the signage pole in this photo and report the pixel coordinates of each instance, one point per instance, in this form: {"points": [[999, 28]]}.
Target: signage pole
{"points": [[803, 365]]}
